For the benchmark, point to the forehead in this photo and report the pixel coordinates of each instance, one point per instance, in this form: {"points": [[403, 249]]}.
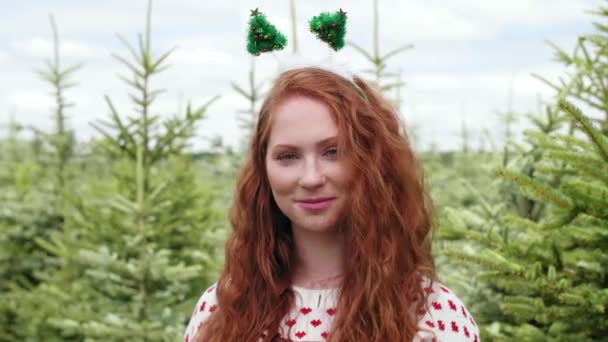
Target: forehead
{"points": [[300, 120]]}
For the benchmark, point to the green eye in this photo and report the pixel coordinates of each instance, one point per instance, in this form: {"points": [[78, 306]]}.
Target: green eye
{"points": [[332, 152], [287, 156]]}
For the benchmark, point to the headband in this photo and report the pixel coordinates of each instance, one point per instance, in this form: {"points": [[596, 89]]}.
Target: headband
{"points": [[263, 37]]}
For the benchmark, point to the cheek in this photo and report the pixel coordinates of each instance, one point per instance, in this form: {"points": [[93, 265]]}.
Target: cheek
{"points": [[339, 175], [281, 180]]}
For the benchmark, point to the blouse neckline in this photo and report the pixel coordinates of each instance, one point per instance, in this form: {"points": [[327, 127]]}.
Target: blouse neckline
{"points": [[307, 290]]}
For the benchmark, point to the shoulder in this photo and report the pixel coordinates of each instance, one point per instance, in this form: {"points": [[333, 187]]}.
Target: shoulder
{"points": [[204, 307], [445, 317]]}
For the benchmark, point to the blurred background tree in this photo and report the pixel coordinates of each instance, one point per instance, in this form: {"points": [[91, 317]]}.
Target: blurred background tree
{"points": [[542, 246]]}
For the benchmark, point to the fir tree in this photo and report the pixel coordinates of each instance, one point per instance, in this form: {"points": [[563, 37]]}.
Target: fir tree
{"points": [[37, 174], [544, 249], [253, 94], [140, 237], [381, 76]]}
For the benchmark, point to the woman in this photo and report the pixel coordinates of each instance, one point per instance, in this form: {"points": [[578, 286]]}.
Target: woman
{"points": [[331, 225]]}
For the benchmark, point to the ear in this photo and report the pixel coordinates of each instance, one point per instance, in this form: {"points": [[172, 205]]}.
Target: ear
{"points": [[330, 28], [262, 36]]}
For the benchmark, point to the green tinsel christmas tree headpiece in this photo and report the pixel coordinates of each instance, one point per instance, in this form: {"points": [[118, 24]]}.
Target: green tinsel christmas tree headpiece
{"points": [[330, 28], [263, 36]]}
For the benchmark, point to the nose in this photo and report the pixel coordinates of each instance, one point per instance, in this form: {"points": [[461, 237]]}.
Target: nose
{"points": [[312, 175]]}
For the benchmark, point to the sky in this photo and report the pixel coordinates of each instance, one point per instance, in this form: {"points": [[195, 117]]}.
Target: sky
{"points": [[469, 58]]}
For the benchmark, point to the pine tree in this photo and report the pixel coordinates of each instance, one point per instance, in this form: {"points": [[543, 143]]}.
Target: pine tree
{"points": [[141, 233], [37, 174], [253, 94], [380, 72], [543, 250], [382, 78]]}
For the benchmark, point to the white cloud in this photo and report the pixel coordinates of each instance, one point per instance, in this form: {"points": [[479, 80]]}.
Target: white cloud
{"points": [[423, 21], [466, 20], [42, 48], [204, 57], [527, 12], [30, 106]]}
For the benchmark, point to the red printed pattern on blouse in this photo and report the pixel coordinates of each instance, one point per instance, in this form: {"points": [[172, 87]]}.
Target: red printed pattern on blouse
{"points": [[446, 320]]}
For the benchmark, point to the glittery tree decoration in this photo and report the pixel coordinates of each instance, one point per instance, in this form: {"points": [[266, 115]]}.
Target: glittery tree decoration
{"points": [[262, 35], [330, 28]]}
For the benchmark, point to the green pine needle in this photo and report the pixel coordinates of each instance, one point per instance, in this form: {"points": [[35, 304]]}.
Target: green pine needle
{"points": [[262, 36], [330, 28], [534, 189], [594, 135]]}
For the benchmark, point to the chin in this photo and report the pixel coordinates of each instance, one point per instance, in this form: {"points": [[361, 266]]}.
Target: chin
{"points": [[316, 224]]}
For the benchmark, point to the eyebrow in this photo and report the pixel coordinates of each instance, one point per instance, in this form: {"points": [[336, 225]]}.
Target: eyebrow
{"points": [[319, 143]]}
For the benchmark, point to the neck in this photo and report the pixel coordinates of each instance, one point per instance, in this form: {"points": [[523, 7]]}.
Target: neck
{"points": [[319, 258]]}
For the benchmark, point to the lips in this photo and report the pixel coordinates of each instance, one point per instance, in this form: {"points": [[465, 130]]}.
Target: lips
{"points": [[314, 200], [315, 204]]}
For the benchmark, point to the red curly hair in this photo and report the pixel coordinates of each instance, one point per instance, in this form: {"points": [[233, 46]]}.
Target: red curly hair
{"points": [[386, 226]]}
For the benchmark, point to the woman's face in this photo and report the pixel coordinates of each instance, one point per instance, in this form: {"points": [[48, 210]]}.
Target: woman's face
{"points": [[307, 177]]}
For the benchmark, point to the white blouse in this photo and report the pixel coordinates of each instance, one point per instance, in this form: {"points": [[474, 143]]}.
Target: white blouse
{"points": [[311, 318]]}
